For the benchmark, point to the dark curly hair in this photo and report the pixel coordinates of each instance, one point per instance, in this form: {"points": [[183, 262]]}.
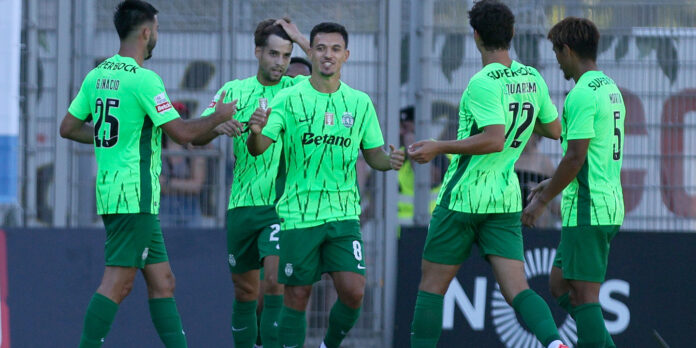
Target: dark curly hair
{"points": [[494, 22], [267, 28], [580, 34], [328, 27], [130, 14]]}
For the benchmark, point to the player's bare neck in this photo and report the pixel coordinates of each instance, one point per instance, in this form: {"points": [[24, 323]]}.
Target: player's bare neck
{"points": [[584, 66], [496, 56], [130, 50], [325, 84]]}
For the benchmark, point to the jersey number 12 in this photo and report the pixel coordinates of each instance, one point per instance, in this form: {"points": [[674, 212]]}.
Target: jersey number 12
{"points": [[528, 109]]}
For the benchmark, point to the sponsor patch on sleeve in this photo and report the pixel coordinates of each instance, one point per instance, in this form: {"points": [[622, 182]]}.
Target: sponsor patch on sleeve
{"points": [[214, 101], [162, 103]]}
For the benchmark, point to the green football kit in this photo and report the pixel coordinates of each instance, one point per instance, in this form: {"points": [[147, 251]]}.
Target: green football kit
{"points": [[253, 225], [322, 134], [480, 198], [128, 104], [592, 206], [480, 193]]}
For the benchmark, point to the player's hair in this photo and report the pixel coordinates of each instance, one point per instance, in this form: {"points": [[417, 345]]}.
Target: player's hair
{"points": [[580, 34], [328, 27], [266, 28], [301, 61], [130, 14], [494, 23]]}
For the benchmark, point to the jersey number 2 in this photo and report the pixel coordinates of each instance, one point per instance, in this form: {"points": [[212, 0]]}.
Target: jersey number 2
{"points": [[528, 109], [101, 138]]}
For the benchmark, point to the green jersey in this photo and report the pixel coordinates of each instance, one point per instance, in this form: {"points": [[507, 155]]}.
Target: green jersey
{"points": [[322, 135], [128, 104], [496, 95], [594, 109], [254, 177]]}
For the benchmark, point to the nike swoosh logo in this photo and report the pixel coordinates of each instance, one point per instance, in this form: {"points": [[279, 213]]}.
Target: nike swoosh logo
{"points": [[361, 267], [242, 108], [234, 329]]}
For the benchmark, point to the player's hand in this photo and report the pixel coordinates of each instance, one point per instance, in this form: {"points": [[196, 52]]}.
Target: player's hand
{"points": [[533, 210], [290, 28], [226, 109], [231, 128], [536, 189], [396, 157], [423, 151], [258, 120]]}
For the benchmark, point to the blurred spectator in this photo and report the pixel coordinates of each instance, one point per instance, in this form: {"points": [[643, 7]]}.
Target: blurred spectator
{"points": [[299, 66], [532, 168], [182, 180]]}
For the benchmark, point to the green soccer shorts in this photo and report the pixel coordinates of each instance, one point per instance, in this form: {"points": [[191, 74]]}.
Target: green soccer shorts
{"points": [[306, 253], [252, 234], [583, 253], [451, 235], [133, 240]]}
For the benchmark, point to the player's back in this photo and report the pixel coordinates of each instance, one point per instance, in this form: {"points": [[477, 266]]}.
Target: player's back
{"points": [[127, 104], [594, 109], [515, 97]]}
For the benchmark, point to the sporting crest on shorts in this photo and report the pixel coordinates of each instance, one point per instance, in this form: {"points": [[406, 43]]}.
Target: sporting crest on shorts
{"points": [[232, 260], [145, 252], [288, 269], [348, 119]]}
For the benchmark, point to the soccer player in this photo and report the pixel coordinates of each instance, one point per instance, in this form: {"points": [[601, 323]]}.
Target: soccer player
{"points": [[130, 107], [253, 225], [323, 124], [589, 175], [480, 199], [299, 66]]}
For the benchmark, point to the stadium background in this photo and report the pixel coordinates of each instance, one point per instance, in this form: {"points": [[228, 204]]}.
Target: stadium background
{"points": [[403, 53]]}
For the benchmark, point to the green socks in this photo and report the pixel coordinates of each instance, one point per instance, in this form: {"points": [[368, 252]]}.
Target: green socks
{"points": [[591, 330], [427, 320], [272, 304], [100, 314], [167, 322], [244, 327], [536, 315], [292, 327], [341, 320], [564, 302]]}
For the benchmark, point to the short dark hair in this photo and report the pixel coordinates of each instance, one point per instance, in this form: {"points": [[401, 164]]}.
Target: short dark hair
{"points": [[494, 22], [580, 34], [266, 28], [301, 61], [130, 14], [328, 27]]}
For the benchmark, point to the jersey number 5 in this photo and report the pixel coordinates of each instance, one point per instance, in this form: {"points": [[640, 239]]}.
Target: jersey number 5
{"points": [[105, 137], [617, 132], [527, 108]]}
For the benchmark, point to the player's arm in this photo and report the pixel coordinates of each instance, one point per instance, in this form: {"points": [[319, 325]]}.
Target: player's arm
{"points": [[294, 34], [257, 143], [185, 131], [491, 140], [379, 159], [231, 128], [567, 170], [76, 129], [551, 130]]}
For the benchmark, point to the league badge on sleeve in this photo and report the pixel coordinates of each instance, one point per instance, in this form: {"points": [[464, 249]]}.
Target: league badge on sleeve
{"points": [[347, 119], [162, 103]]}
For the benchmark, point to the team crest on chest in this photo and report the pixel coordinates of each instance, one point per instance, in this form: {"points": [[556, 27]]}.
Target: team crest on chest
{"points": [[328, 119], [347, 119]]}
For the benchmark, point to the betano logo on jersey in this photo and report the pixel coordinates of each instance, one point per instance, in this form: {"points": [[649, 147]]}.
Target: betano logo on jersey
{"points": [[310, 138]]}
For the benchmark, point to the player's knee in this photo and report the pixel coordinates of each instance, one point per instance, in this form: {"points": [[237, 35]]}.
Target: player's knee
{"points": [[164, 286], [245, 291], [353, 297], [556, 290], [272, 287]]}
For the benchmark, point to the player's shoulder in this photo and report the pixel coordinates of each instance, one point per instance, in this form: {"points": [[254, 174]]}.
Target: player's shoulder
{"points": [[353, 93], [231, 84], [292, 90], [288, 81]]}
